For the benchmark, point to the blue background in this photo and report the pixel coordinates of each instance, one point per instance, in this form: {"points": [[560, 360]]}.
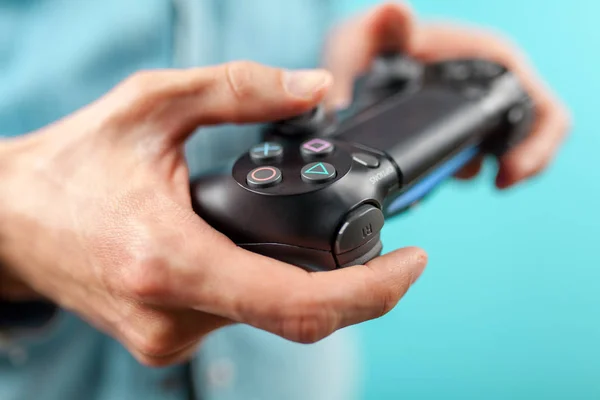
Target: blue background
{"points": [[508, 306]]}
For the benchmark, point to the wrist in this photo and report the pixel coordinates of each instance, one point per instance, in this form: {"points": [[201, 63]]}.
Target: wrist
{"points": [[10, 151], [11, 287], [14, 289]]}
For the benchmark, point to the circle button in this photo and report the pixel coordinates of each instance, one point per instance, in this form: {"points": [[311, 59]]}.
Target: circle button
{"points": [[318, 172], [267, 151], [263, 177], [316, 147]]}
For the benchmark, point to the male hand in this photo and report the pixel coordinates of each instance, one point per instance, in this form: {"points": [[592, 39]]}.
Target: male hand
{"points": [[392, 26], [95, 215]]}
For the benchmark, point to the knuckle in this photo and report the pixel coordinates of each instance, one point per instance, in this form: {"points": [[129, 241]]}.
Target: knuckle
{"points": [[154, 347], [156, 339], [147, 277], [240, 76], [386, 296], [151, 362], [387, 292], [306, 325], [388, 301], [144, 89], [140, 82]]}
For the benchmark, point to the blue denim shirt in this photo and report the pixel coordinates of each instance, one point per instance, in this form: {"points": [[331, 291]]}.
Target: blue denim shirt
{"points": [[58, 55]]}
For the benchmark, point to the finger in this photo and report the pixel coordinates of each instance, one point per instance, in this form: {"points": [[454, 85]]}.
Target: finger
{"points": [[301, 306], [178, 101], [470, 170], [534, 154], [161, 336], [438, 42], [153, 360], [190, 265], [355, 44]]}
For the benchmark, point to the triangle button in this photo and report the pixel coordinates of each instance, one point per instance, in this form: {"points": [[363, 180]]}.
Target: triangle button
{"points": [[318, 168], [318, 172]]}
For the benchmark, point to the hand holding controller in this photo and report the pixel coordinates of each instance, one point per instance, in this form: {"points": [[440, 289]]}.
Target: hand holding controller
{"points": [[316, 192]]}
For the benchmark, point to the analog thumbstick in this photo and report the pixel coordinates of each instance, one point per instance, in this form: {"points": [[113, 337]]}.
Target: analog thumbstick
{"points": [[309, 123]]}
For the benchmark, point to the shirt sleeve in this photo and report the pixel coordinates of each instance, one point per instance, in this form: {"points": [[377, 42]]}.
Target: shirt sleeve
{"points": [[27, 315]]}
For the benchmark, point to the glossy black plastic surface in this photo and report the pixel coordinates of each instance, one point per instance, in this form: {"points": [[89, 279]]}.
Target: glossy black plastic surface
{"points": [[408, 121]]}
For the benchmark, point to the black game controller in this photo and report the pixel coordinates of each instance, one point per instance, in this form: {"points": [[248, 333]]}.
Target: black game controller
{"points": [[315, 193]]}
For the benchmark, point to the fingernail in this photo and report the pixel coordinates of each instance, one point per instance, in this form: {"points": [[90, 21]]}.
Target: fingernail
{"points": [[305, 83]]}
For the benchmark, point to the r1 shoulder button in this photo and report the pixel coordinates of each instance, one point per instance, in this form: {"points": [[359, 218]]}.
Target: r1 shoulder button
{"points": [[359, 227]]}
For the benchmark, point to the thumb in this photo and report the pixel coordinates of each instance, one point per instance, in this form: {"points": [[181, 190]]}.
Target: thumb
{"points": [[178, 101], [208, 273], [298, 305], [311, 306]]}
